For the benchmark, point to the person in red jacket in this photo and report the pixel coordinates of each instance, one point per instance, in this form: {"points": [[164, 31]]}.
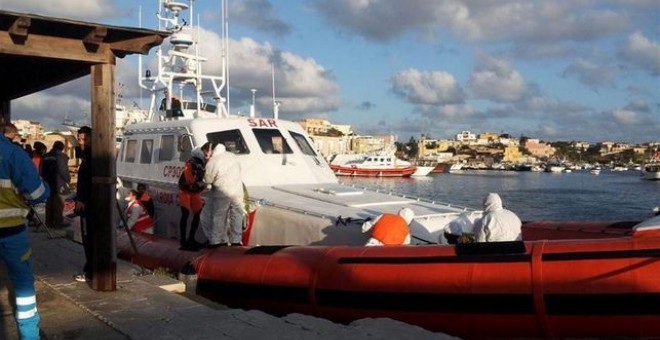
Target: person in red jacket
{"points": [[138, 219], [191, 185], [389, 229]]}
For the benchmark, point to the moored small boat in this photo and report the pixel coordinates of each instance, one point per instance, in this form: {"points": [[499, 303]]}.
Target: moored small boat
{"points": [[354, 170], [378, 165]]}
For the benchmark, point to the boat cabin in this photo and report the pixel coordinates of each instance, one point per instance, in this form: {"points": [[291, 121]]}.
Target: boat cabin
{"points": [[297, 197]]}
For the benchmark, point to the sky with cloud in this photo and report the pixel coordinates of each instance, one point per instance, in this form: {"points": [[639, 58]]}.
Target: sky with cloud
{"points": [[556, 69]]}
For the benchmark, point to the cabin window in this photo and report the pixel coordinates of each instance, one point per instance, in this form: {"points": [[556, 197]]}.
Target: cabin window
{"points": [[271, 141], [146, 151], [166, 148], [232, 139], [304, 146], [185, 147], [131, 151]]}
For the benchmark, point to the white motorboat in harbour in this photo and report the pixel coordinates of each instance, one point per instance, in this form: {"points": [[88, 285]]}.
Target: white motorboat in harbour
{"points": [[554, 168], [455, 167], [377, 164], [651, 172], [295, 196]]}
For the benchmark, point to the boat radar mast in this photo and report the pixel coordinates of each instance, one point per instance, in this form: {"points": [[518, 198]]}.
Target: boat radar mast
{"points": [[179, 79]]}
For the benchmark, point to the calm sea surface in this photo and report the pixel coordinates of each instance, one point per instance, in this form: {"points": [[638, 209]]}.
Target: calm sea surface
{"points": [[579, 195]]}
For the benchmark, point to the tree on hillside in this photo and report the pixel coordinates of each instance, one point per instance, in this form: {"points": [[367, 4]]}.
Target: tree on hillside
{"points": [[523, 140], [412, 148]]}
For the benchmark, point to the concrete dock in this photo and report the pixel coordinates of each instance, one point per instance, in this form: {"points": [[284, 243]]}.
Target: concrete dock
{"points": [[141, 309]]}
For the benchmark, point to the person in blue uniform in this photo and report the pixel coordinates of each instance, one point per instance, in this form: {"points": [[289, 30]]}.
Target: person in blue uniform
{"points": [[20, 187]]}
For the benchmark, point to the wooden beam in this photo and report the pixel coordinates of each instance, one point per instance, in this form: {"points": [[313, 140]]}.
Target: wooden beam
{"points": [[104, 177], [55, 48], [95, 38], [19, 29], [140, 45]]}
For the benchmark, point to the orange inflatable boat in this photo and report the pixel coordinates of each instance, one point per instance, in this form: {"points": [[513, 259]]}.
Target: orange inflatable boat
{"points": [[608, 287]]}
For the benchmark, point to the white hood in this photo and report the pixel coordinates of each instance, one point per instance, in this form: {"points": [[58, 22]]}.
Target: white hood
{"points": [[492, 202]]}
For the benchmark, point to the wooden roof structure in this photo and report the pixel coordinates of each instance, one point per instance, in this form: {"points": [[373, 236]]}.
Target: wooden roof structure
{"points": [[39, 52]]}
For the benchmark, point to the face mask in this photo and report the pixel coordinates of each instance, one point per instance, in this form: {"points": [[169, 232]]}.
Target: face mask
{"points": [[127, 199]]}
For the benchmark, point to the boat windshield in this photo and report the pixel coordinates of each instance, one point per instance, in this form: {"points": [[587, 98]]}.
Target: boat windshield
{"points": [[303, 144], [271, 141], [232, 139]]}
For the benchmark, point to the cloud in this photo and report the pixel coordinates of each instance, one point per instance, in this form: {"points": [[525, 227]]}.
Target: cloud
{"points": [[378, 20], [590, 73], [51, 109], [536, 51], [260, 15], [304, 86], [517, 20], [365, 106], [642, 52], [495, 79], [427, 88], [634, 122], [87, 10], [458, 113]]}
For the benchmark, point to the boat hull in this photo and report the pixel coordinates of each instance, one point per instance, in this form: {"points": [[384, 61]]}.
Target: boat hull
{"points": [[576, 288], [356, 171]]}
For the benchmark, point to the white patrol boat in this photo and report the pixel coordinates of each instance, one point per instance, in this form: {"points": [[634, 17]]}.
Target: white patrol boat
{"points": [[295, 197]]}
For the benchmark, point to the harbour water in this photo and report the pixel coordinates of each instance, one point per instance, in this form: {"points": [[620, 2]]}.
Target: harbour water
{"points": [[578, 196]]}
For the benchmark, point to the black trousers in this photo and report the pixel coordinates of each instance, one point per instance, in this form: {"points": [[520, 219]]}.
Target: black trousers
{"points": [[87, 233]]}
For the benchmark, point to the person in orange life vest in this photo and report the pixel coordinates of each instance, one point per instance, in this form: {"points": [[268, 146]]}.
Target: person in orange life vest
{"points": [[191, 185], [138, 218], [37, 155], [145, 199], [390, 229]]}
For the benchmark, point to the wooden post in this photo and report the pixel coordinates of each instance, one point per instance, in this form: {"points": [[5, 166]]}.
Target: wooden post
{"points": [[5, 111], [104, 177]]}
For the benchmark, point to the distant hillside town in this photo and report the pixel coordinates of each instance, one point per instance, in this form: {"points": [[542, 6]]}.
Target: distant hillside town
{"points": [[479, 150]]}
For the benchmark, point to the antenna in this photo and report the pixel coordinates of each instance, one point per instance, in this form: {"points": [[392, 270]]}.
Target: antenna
{"points": [[225, 39], [276, 104], [252, 107]]}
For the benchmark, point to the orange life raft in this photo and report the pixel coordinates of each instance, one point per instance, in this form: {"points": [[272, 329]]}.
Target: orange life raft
{"points": [[568, 288]]}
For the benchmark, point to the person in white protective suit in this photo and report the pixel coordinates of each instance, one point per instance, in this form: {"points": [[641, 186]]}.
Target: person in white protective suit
{"points": [[222, 217], [389, 229], [497, 224]]}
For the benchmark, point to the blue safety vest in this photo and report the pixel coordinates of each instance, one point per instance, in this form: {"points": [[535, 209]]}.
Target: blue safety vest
{"points": [[19, 181]]}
